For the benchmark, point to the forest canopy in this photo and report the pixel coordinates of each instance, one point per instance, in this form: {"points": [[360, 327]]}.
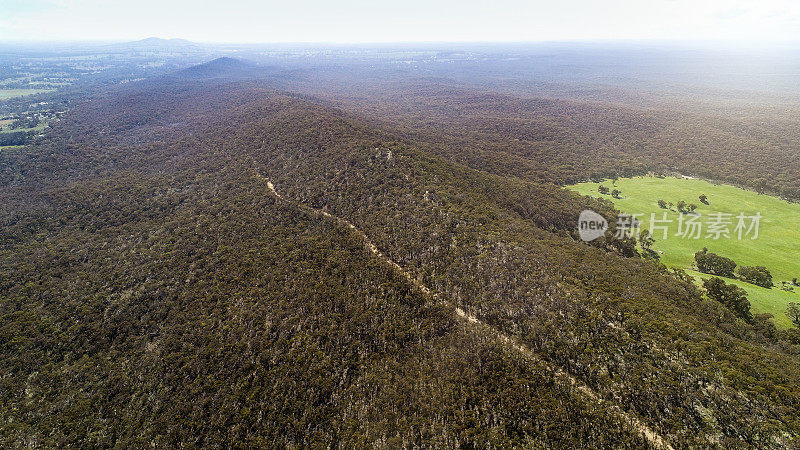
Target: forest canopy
{"points": [[156, 291]]}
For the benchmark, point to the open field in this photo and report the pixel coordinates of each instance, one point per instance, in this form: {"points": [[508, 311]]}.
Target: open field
{"points": [[5, 94], [761, 299], [41, 126], [777, 245]]}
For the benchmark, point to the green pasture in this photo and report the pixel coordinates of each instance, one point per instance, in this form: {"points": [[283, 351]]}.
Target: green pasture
{"points": [[777, 245]]}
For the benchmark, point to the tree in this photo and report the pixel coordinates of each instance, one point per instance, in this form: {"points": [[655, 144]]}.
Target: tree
{"points": [[646, 241], [793, 312], [615, 193], [682, 275], [692, 207], [24, 122], [758, 275], [794, 281], [602, 189], [713, 264], [764, 325], [703, 199], [662, 204], [15, 138], [730, 295], [626, 246], [681, 206]]}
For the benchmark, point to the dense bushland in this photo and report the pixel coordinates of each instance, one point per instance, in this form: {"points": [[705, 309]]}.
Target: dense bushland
{"points": [[153, 292]]}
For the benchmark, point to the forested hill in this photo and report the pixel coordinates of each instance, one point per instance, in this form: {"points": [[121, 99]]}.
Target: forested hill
{"points": [[154, 291], [566, 140]]}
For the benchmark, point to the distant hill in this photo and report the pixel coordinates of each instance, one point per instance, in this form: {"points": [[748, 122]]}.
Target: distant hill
{"points": [[224, 67], [159, 44]]}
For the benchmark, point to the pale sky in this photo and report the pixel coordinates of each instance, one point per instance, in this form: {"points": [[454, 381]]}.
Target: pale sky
{"points": [[400, 21]]}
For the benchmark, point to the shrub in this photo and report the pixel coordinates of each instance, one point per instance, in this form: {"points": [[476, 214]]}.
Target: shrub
{"points": [[793, 312], [758, 275], [713, 264], [730, 295], [682, 275]]}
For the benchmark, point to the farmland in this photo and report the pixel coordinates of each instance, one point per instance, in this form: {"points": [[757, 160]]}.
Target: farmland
{"points": [[775, 246], [12, 93]]}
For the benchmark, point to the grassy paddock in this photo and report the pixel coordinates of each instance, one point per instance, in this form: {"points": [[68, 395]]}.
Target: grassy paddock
{"points": [[5, 94], [777, 246], [42, 125]]}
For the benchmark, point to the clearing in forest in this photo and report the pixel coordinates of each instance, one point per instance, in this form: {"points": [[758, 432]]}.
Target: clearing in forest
{"points": [[777, 245]]}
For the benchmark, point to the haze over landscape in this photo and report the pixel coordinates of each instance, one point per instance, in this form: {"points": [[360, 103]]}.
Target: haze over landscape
{"points": [[399, 225], [250, 21]]}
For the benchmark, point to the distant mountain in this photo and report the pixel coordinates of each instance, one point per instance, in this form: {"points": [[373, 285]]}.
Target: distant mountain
{"points": [[159, 44]]}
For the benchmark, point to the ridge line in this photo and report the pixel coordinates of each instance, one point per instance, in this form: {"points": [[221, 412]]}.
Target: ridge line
{"points": [[636, 423]]}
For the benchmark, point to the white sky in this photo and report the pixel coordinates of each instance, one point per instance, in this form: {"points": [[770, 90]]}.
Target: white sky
{"points": [[409, 20]]}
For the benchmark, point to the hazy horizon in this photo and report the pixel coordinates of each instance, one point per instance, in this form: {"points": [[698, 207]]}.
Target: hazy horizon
{"points": [[725, 46], [246, 21]]}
